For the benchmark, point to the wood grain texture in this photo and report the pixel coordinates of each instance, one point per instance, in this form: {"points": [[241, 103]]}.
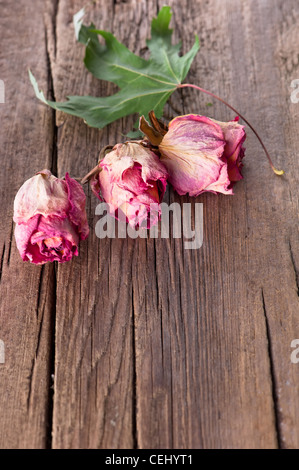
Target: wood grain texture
{"points": [[150, 345]]}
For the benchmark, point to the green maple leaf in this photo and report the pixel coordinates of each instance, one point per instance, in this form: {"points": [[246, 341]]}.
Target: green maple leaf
{"points": [[145, 85]]}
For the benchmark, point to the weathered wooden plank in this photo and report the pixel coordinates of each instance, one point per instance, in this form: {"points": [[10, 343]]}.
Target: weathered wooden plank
{"points": [[26, 291], [94, 384], [235, 386], [273, 210], [157, 346], [202, 350]]}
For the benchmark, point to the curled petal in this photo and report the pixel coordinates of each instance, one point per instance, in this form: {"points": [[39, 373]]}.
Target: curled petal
{"points": [[50, 218], [42, 194], [77, 200], [202, 154], [234, 135], [131, 180]]}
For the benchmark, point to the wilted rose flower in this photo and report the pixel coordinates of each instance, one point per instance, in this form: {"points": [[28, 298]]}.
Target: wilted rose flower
{"points": [[132, 181], [50, 218], [202, 154]]}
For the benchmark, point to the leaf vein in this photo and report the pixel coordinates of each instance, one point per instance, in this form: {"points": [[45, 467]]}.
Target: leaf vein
{"points": [[141, 74], [169, 67]]}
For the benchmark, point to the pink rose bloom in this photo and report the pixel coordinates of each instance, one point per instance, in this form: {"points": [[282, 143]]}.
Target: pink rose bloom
{"points": [[132, 181], [50, 218], [202, 154]]}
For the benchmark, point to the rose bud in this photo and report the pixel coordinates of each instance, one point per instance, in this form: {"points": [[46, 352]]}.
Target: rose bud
{"points": [[202, 154], [50, 218], [132, 181]]}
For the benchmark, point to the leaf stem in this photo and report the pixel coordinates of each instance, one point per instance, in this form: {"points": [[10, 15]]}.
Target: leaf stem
{"points": [[190, 85]]}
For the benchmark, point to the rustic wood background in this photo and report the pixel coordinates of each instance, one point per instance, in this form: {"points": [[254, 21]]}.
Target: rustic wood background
{"points": [[140, 343]]}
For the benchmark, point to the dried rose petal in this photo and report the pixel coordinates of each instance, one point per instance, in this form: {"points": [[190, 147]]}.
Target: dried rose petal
{"points": [[50, 218], [202, 154], [133, 181]]}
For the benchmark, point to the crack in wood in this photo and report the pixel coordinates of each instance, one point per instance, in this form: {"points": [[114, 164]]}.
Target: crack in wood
{"points": [[51, 91], [34, 362], [157, 7], [30, 384], [50, 293], [51, 366], [52, 274], [158, 300], [54, 22], [134, 379], [2, 259], [10, 242], [294, 267], [277, 416], [41, 276]]}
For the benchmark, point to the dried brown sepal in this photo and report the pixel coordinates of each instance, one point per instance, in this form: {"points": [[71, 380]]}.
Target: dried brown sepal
{"points": [[157, 124], [155, 137]]}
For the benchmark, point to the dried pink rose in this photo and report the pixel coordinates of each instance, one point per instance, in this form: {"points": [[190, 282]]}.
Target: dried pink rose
{"points": [[202, 154], [132, 181], [50, 218]]}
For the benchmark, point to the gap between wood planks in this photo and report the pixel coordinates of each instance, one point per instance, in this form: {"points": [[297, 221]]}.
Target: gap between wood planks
{"points": [[53, 284]]}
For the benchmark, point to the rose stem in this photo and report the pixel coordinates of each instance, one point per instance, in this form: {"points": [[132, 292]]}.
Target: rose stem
{"points": [[97, 168], [93, 172], [277, 172]]}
